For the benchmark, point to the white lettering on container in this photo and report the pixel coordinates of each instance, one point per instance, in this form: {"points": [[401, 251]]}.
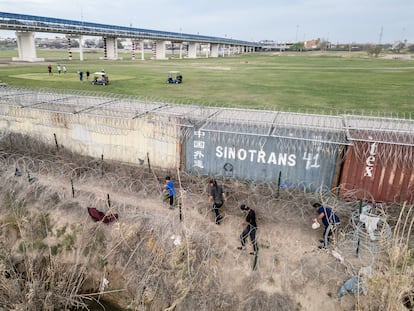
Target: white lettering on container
{"points": [[370, 161], [258, 156]]}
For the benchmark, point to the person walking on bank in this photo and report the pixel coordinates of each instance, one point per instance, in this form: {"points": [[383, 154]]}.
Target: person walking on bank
{"points": [[329, 219], [169, 191], [249, 230], [217, 197], [80, 73]]}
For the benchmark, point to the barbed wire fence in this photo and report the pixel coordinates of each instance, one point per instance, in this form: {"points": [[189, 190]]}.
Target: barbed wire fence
{"points": [[35, 160], [357, 247], [31, 158]]}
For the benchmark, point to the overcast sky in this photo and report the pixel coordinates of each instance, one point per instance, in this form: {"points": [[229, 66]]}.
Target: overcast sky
{"points": [[360, 21]]}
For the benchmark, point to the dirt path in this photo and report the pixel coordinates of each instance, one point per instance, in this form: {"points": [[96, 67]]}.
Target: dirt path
{"points": [[289, 262]]}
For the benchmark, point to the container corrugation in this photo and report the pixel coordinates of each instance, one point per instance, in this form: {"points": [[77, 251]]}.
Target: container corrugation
{"points": [[305, 164], [378, 172]]}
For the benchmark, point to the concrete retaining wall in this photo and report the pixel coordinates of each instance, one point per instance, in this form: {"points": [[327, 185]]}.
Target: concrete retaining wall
{"points": [[126, 140]]}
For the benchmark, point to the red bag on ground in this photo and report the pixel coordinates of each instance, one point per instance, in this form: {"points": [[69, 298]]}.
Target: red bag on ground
{"points": [[100, 216]]}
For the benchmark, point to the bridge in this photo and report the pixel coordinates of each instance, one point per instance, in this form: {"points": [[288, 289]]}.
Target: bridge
{"points": [[26, 25]]}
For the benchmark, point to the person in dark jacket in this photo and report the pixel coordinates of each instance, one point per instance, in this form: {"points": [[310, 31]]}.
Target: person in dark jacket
{"points": [[217, 198], [249, 230], [329, 219]]}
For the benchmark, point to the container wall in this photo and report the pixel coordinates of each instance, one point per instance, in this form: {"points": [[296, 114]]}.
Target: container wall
{"points": [[303, 164], [378, 172]]}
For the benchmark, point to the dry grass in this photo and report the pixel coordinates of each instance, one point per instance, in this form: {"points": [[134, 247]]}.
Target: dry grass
{"points": [[54, 257]]}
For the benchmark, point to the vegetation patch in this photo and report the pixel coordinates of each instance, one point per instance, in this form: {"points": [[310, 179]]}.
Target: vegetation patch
{"points": [[325, 82]]}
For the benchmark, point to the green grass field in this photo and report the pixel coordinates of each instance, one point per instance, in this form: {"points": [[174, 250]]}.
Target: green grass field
{"points": [[313, 82]]}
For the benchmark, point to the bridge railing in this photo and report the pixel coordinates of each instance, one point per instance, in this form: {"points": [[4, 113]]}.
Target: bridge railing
{"points": [[50, 24]]}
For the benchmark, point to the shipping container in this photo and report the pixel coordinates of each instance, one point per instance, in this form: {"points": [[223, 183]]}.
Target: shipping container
{"points": [[379, 166], [260, 145]]}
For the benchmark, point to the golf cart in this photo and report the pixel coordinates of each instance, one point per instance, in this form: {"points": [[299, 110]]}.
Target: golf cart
{"points": [[174, 77], [100, 78]]}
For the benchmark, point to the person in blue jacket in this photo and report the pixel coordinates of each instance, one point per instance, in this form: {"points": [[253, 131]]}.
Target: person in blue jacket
{"points": [[169, 191], [329, 219]]}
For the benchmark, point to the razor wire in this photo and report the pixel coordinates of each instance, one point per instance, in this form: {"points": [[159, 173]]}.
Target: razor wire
{"points": [[276, 204], [317, 128], [41, 161], [35, 161], [387, 154], [293, 132]]}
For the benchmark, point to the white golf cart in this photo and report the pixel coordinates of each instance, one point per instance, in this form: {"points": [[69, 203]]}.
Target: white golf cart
{"points": [[100, 78], [174, 77]]}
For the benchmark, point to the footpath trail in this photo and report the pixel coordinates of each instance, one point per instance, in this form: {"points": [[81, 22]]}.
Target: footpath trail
{"points": [[289, 262]]}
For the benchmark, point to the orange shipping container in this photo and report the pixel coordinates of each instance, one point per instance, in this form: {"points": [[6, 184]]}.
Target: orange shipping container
{"points": [[380, 172]]}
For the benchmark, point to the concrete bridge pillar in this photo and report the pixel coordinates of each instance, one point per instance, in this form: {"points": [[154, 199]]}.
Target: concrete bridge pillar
{"points": [[80, 48], [137, 47], [192, 50], [223, 50], [110, 48], [214, 50], [177, 46], [26, 47], [205, 49], [181, 50], [142, 50], [158, 49]]}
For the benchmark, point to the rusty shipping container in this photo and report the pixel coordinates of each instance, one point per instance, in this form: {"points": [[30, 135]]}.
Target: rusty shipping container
{"points": [[259, 146], [379, 166]]}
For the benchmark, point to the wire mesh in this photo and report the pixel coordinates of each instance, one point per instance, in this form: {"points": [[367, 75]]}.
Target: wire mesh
{"points": [[274, 205], [335, 129]]}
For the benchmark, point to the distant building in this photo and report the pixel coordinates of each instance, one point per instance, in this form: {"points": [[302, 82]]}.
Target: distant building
{"points": [[271, 45], [312, 44]]}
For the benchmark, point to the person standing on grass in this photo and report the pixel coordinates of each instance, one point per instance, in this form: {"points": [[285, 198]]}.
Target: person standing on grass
{"points": [[87, 75], [329, 219], [64, 69], [59, 69], [217, 197], [49, 70], [169, 191], [249, 230]]}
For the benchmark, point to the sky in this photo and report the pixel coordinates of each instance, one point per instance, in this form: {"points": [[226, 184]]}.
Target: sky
{"points": [[345, 21]]}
